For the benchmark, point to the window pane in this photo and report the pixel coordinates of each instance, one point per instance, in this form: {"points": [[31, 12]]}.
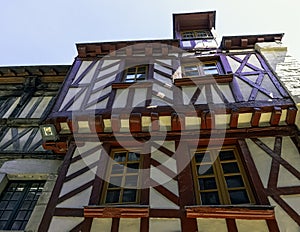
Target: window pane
{"points": [[207, 183], [187, 34], [141, 69], [30, 196], [12, 204], [131, 181], [140, 77], [230, 167], [130, 76], [211, 198], [205, 170], [132, 156], [190, 68], [234, 181], [133, 168], [201, 33], [21, 215], [6, 215], [26, 205], [12, 187], [238, 197], [117, 169], [129, 195], [211, 71], [131, 70], [2, 225], [120, 157], [3, 205], [129, 80], [112, 196], [16, 225], [7, 196], [226, 155], [202, 157], [115, 181]]}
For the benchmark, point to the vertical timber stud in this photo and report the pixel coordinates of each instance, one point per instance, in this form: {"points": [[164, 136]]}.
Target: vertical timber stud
{"points": [[115, 225], [210, 120], [115, 122], [154, 121], [145, 185], [234, 119], [49, 212], [185, 185], [177, 122], [101, 170], [291, 115], [255, 117], [275, 118], [244, 43], [252, 172], [231, 225], [96, 124], [135, 122]]}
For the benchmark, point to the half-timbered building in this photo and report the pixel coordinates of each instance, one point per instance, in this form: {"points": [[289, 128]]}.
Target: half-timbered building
{"points": [[183, 134]]}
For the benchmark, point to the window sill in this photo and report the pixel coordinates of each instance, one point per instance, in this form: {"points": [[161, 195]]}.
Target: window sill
{"points": [[203, 80], [116, 211], [125, 85], [231, 211]]}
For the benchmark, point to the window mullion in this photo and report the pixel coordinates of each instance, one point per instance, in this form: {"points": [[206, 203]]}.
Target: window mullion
{"points": [[223, 191]]}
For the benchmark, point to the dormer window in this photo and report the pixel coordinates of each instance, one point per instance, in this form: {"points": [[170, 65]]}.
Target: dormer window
{"points": [[136, 74], [196, 34]]}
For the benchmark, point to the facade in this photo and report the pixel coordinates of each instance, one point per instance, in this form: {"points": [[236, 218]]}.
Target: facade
{"points": [[182, 134], [27, 171]]}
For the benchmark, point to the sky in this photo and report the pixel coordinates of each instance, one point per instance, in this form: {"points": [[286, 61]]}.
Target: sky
{"points": [[40, 32]]}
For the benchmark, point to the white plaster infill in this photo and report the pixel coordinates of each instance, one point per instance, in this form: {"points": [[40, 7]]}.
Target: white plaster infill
{"points": [[30, 168]]}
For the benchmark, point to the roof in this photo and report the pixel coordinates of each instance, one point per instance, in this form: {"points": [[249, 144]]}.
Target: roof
{"points": [[248, 41], [101, 49], [18, 74]]}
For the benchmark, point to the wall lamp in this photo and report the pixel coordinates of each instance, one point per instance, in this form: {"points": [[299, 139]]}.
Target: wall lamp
{"points": [[48, 132]]}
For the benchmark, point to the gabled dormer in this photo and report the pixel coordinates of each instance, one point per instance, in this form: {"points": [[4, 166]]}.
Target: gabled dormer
{"points": [[195, 30]]}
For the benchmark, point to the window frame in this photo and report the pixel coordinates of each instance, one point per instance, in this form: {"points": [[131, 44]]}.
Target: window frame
{"points": [[135, 73], [106, 185], [19, 202], [218, 174], [200, 68]]}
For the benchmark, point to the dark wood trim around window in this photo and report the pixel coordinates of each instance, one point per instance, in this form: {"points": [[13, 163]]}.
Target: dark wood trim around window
{"points": [[221, 173]]}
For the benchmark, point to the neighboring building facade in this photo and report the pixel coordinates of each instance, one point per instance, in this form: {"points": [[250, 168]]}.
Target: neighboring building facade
{"points": [[175, 135], [27, 171]]}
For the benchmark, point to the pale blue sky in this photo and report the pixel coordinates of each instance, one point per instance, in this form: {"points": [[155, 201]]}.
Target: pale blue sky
{"points": [[35, 32]]}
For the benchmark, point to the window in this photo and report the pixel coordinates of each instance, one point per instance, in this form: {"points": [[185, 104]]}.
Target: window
{"points": [[124, 178], [201, 69], [195, 34], [220, 178], [17, 202], [135, 74]]}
